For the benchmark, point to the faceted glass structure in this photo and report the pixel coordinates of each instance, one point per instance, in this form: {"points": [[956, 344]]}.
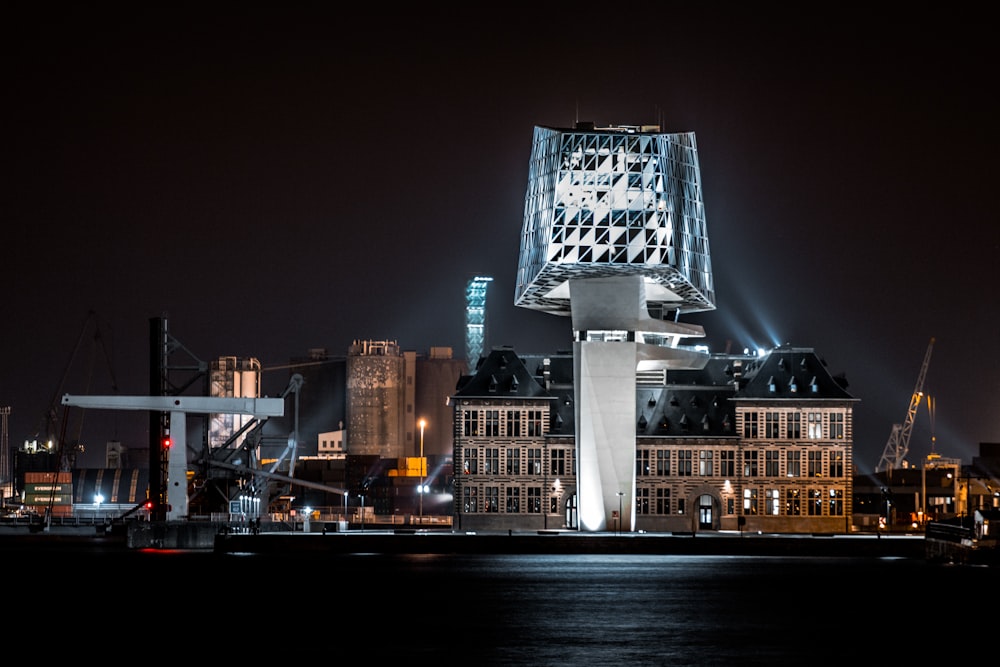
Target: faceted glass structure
{"points": [[475, 318], [619, 201]]}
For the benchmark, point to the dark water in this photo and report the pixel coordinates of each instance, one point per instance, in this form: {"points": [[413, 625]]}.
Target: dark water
{"points": [[527, 610]]}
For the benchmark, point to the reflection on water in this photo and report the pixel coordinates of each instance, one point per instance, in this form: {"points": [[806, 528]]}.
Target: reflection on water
{"points": [[561, 609]]}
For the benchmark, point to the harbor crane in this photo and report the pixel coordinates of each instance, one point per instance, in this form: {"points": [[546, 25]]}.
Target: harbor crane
{"points": [[898, 445]]}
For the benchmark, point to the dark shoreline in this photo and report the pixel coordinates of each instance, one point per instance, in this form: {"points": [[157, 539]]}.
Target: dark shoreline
{"points": [[573, 543], [210, 539]]}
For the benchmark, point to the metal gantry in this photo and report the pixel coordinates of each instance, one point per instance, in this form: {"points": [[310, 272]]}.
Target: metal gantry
{"points": [[898, 445]]}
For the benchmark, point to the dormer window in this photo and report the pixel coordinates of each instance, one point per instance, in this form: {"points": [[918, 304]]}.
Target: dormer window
{"points": [[493, 383], [770, 384], [674, 402], [513, 384], [642, 422], [652, 401], [813, 386], [781, 364], [705, 424], [792, 387], [693, 402]]}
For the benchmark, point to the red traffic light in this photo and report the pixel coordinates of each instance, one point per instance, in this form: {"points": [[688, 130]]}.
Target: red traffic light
{"points": [[167, 443]]}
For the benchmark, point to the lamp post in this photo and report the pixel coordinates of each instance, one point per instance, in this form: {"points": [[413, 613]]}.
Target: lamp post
{"points": [[423, 424], [619, 523]]}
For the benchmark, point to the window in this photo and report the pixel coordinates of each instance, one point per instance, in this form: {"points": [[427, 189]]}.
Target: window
{"points": [[815, 425], [705, 462], [815, 464], [663, 462], [772, 420], [471, 500], [491, 503], [513, 461], [513, 418], [793, 463], [750, 465], [793, 506], [772, 502], [642, 462], [642, 501], [471, 461], [836, 502], [772, 467], [730, 505], [534, 423], [750, 501], [558, 461], [534, 461], [491, 461], [663, 501], [684, 462], [727, 463], [836, 426], [836, 463], [680, 506], [471, 427], [815, 505], [750, 425], [513, 500], [492, 423], [534, 500], [794, 426]]}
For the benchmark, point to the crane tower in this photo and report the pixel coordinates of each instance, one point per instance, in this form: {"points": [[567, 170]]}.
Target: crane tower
{"points": [[899, 439]]}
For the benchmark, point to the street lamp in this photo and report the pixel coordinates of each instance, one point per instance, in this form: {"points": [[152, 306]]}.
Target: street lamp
{"points": [[619, 523], [423, 424]]}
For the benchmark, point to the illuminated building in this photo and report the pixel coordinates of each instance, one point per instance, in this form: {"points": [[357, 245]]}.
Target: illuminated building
{"points": [[614, 236], [754, 442]]}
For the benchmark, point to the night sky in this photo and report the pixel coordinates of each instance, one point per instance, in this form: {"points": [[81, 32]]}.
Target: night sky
{"points": [[282, 179]]}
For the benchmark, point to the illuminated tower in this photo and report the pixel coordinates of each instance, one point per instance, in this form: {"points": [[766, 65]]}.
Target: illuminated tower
{"points": [[614, 236], [475, 318]]}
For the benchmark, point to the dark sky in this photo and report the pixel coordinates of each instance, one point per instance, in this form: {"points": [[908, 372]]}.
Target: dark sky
{"points": [[280, 179]]}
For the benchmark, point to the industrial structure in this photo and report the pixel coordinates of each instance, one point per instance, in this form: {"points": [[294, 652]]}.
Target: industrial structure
{"points": [[475, 318], [614, 236], [898, 446]]}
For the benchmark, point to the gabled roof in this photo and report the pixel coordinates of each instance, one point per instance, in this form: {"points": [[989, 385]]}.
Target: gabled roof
{"points": [[501, 373], [692, 403], [791, 373]]}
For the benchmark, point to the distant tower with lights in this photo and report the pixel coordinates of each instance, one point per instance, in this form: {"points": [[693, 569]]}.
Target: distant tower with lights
{"points": [[475, 318], [614, 236]]}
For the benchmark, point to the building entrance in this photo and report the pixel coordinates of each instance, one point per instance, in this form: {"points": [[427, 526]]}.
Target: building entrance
{"points": [[705, 512]]}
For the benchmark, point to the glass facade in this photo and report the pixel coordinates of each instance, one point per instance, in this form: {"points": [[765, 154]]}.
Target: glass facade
{"points": [[614, 201]]}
